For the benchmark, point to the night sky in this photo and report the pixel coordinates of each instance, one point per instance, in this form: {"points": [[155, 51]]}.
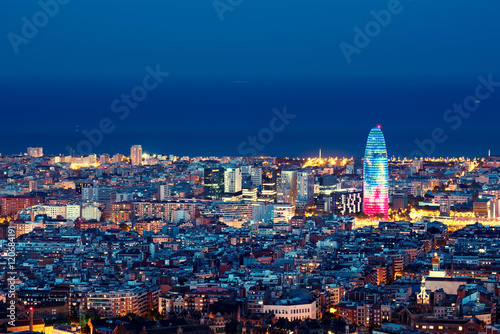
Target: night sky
{"points": [[226, 76]]}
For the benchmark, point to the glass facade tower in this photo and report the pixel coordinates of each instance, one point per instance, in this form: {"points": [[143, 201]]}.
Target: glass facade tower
{"points": [[376, 175]]}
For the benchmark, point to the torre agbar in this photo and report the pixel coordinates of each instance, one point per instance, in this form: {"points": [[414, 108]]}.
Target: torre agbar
{"points": [[376, 175]]}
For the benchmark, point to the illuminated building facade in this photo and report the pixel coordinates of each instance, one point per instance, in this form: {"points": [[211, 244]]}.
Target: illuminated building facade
{"points": [[214, 183], [136, 155], [376, 175]]}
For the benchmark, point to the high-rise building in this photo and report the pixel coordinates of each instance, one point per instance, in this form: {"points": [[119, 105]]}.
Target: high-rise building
{"points": [[327, 184], [305, 186], [164, 192], [35, 152], [213, 183], [136, 155], [105, 195], [287, 187], [256, 174], [269, 186], [376, 175], [232, 181], [445, 206], [104, 159], [117, 158]]}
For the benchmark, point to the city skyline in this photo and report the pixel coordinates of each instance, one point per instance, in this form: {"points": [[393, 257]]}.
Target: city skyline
{"points": [[212, 167]]}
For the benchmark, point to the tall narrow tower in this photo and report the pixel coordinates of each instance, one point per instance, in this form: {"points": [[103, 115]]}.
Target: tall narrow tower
{"points": [[136, 155], [376, 175]]}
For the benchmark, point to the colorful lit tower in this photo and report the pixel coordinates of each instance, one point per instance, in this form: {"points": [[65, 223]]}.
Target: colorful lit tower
{"points": [[376, 175]]}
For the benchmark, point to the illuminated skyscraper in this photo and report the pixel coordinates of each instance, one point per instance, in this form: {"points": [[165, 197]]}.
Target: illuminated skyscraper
{"points": [[214, 183], [376, 175]]}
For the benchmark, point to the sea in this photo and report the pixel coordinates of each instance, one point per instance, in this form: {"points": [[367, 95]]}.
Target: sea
{"points": [[190, 116]]}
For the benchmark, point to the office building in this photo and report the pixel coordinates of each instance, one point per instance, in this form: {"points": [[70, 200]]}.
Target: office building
{"points": [[347, 201], [287, 187], [376, 175], [232, 182], [269, 186], [213, 183], [305, 186], [256, 175]]}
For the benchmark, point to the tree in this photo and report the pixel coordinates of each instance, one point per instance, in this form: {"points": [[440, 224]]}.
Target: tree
{"points": [[84, 320], [124, 227], [155, 315]]}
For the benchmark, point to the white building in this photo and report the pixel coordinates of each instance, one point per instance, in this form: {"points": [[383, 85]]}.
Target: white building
{"points": [[284, 210], [72, 211], [232, 180], [91, 211], [164, 192], [293, 309]]}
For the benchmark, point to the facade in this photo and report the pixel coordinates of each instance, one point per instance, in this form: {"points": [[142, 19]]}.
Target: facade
{"points": [[105, 195], [232, 181], [362, 313], [35, 152], [435, 325], [305, 186], [293, 309], [164, 192], [119, 302], [256, 175], [201, 298], [376, 175], [327, 184], [104, 159], [287, 187], [249, 194], [136, 155], [486, 207], [13, 204], [163, 210], [256, 296], [213, 183], [347, 201], [269, 185]]}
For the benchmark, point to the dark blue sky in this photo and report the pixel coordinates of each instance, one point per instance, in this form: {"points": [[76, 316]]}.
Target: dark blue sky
{"points": [[427, 58]]}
